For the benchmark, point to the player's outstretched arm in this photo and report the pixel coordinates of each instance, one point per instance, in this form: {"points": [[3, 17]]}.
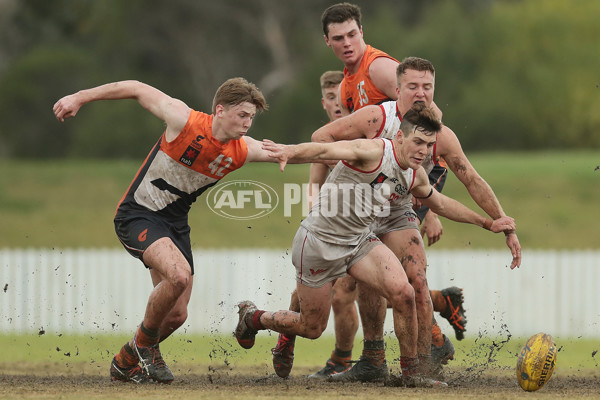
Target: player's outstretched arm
{"points": [[173, 111], [365, 123], [479, 189], [454, 210], [450, 150], [360, 150]]}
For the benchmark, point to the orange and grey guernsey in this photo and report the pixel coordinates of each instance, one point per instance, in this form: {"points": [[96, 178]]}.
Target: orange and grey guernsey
{"points": [[358, 90], [350, 199], [175, 173]]}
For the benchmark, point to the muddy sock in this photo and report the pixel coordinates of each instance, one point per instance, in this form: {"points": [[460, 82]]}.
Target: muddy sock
{"points": [[146, 337], [255, 323], [437, 338], [126, 357], [287, 338], [424, 367], [374, 351], [341, 356], [439, 302], [409, 365]]}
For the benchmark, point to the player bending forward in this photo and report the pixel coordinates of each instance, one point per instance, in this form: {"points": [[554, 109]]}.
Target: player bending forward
{"points": [[335, 239]]}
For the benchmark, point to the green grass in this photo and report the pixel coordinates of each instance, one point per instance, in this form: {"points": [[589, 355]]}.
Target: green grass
{"points": [[220, 351], [67, 203], [215, 367]]}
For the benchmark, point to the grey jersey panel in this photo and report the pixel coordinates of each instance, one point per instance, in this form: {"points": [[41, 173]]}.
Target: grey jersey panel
{"points": [[351, 199]]}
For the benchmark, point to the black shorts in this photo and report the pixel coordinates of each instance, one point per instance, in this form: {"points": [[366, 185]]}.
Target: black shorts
{"points": [[138, 230], [437, 179]]}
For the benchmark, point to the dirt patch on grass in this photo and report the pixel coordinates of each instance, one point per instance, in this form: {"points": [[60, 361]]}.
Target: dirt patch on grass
{"points": [[49, 381]]}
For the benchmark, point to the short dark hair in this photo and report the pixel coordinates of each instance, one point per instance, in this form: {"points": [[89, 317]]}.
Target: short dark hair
{"points": [[415, 63], [236, 91], [422, 118], [339, 13], [331, 79]]}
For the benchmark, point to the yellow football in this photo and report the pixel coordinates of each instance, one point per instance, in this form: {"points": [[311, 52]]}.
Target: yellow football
{"points": [[536, 362]]}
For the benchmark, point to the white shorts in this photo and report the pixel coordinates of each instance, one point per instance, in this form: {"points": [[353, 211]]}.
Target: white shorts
{"points": [[399, 219], [318, 262]]}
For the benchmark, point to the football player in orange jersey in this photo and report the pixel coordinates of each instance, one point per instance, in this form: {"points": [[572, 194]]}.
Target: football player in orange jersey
{"points": [[195, 151]]}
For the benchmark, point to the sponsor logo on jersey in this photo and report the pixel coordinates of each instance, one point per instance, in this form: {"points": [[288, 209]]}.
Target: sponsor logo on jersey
{"points": [[189, 155], [350, 104], [378, 181], [401, 189], [316, 272], [192, 152]]}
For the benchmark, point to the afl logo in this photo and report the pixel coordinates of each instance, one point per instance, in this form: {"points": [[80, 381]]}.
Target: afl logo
{"points": [[242, 200]]}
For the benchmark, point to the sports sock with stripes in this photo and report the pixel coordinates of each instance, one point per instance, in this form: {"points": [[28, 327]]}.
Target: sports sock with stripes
{"points": [[126, 357], [147, 337], [341, 356], [437, 337], [374, 351]]}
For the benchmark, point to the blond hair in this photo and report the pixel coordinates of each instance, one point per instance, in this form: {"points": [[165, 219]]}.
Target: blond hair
{"points": [[236, 91], [331, 79]]}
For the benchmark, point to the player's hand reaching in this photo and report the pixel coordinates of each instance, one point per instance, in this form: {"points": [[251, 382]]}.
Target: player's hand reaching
{"points": [[277, 151], [431, 227], [67, 107], [512, 241], [508, 226]]}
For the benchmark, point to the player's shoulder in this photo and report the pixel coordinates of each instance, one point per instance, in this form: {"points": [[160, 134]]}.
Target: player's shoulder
{"points": [[369, 116], [389, 107], [447, 134], [447, 143], [374, 53], [198, 119], [371, 109]]}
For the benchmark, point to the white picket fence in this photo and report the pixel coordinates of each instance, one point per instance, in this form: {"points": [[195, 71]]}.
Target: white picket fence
{"points": [[94, 291]]}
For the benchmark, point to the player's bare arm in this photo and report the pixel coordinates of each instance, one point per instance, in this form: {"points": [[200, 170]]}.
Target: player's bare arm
{"points": [[450, 149], [382, 72], [173, 111], [454, 210], [363, 124], [256, 153], [361, 153]]}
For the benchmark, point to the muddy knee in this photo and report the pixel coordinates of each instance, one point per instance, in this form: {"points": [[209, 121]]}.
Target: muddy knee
{"points": [[179, 279], [314, 330], [403, 298]]}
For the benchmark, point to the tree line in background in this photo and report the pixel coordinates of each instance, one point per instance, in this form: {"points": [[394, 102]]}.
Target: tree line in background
{"points": [[512, 75]]}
